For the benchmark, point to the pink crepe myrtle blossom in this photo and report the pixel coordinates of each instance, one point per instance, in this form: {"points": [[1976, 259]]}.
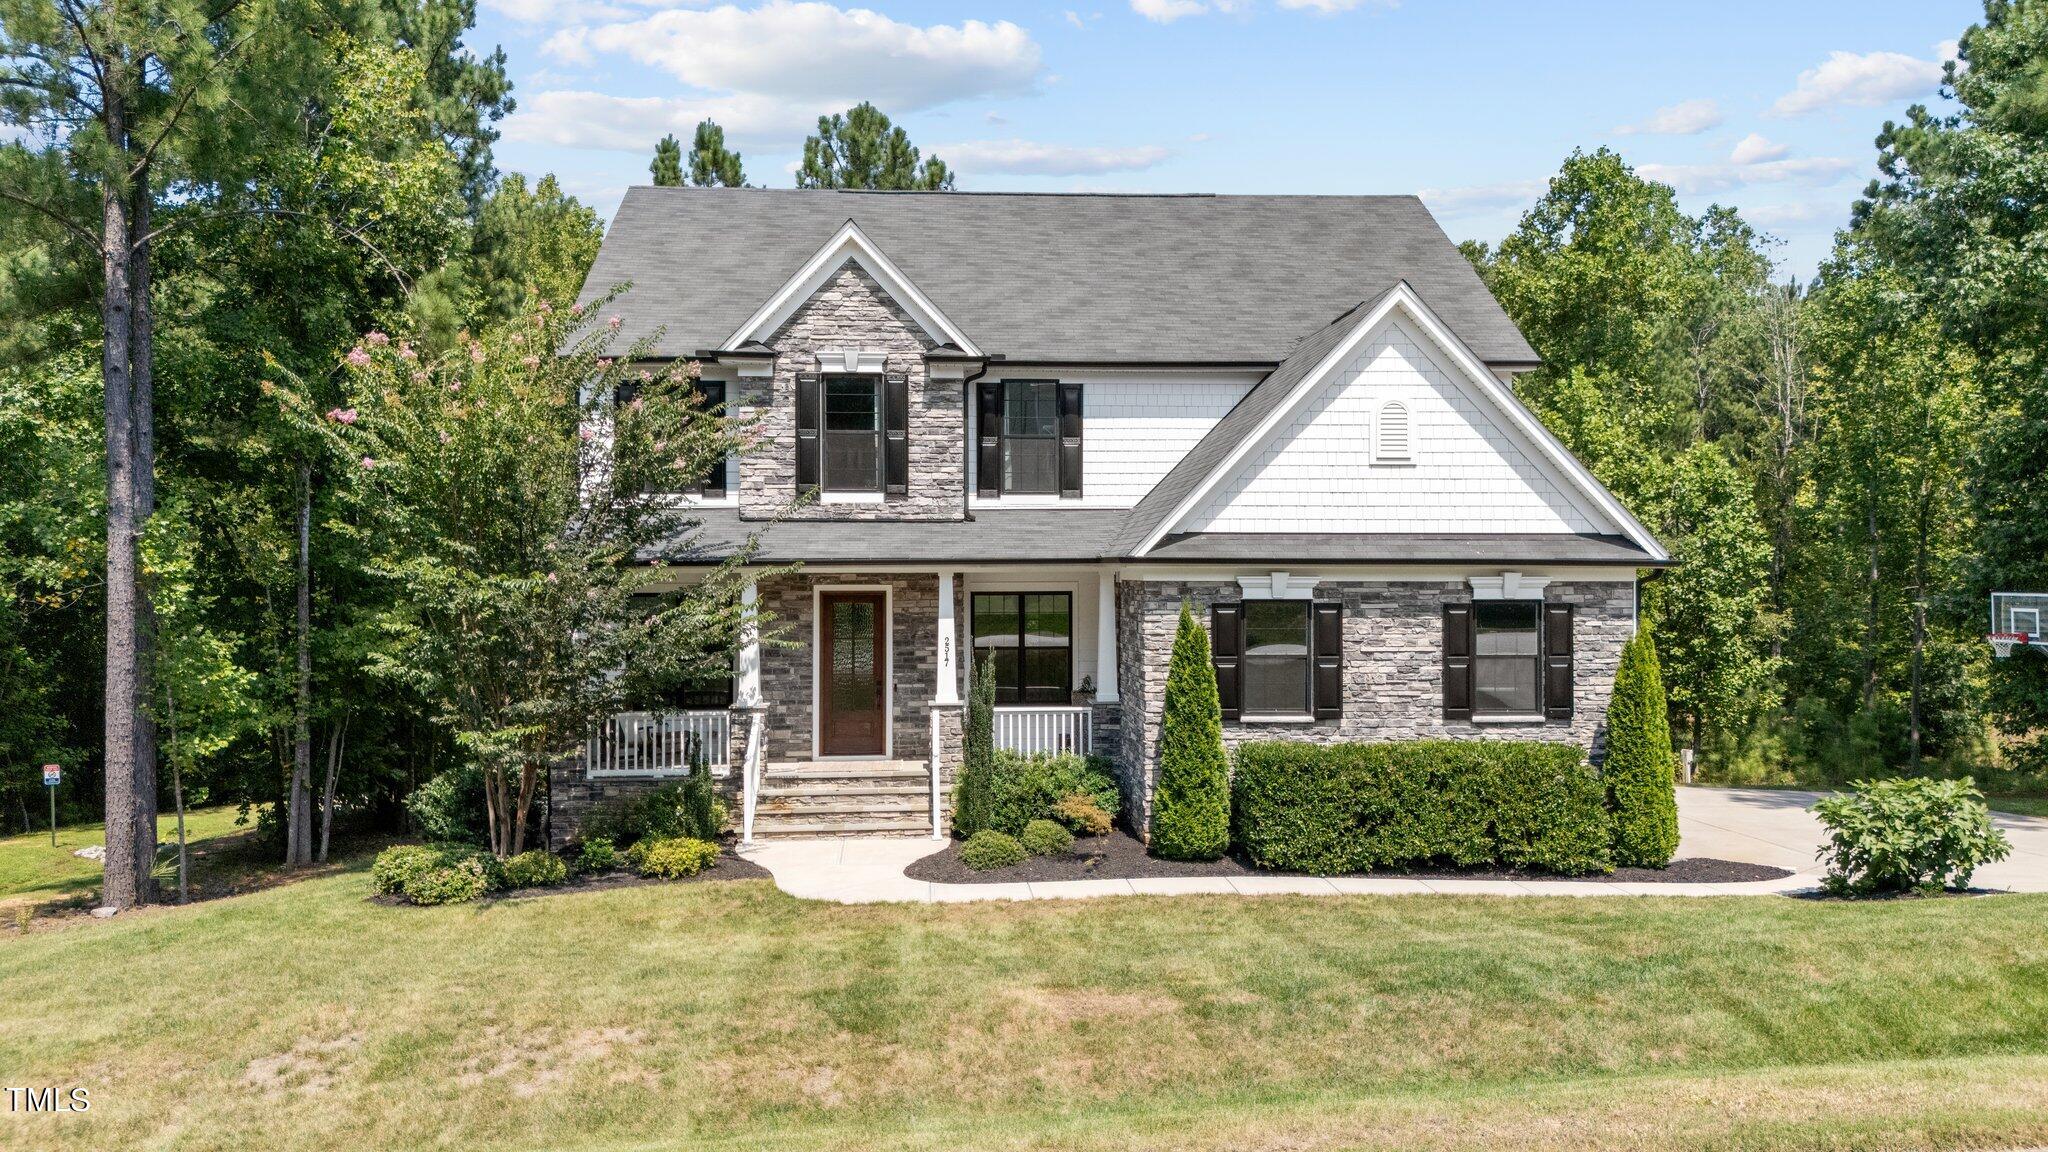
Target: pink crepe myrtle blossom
{"points": [[455, 386], [476, 353], [552, 579], [545, 308], [420, 377], [613, 322], [530, 361], [518, 339], [603, 363], [405, 351], [369, 462], [635, 404], [376, 339], [585, 434], [445, 437], [357, 358], [693, 370], [342, 415]]}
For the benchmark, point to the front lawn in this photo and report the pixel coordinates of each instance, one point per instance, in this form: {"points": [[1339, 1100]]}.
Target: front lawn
{"points": [[731, 1015]]}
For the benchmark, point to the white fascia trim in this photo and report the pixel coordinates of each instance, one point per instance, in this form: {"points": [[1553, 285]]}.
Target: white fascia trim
{"points": [[1278, 586], [849, 243], [1524, 421]]}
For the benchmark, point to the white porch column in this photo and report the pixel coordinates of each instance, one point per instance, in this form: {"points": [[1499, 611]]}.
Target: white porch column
{"points": [[1105, 636], [747, 690], [948, 688]]}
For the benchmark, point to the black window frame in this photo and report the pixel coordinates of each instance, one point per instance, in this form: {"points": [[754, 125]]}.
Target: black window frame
{"points": [[877, 391], [1017, 693], [1534, 658], [1248, 662], [1050, 441]]}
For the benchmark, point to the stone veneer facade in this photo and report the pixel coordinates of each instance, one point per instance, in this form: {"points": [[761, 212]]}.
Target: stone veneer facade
{"points": [[852, 312], [1393, 667]]}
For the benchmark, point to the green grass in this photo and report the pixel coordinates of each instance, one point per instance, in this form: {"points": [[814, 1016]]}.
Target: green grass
{"points": [[2020, 805], [728, 1015], [34, 873]]}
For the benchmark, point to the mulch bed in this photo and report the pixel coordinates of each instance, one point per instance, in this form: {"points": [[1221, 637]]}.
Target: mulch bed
{"points": [[727, 867], [1120, 856]]}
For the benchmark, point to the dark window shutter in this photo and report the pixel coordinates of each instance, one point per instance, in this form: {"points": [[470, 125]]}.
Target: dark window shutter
{"points": [[896, 444], [1070, 439], [1457, 661], [1329, 657], [713, 392], [1226, 644], [809, 447], [989, 447], [1557, 661]]}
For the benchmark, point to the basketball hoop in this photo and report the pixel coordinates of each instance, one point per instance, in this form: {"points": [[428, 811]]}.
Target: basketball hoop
{"points": [[2002, 642], [2017, 618]]}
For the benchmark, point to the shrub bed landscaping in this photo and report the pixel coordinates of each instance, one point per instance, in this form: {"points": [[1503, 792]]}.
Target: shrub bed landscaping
{"points": [[1332, 809]]}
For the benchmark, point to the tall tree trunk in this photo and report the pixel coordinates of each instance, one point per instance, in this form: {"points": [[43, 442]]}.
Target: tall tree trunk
{"points": [[142, 386], [1921, 529], [126, 873], [337, 740], [1870, 618], [177, 795], [299, 833]]}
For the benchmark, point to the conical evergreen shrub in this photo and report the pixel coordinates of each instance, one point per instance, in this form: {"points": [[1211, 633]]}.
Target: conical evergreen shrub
{"points": [[974, 792], [1640, 771], [1191, 801]]}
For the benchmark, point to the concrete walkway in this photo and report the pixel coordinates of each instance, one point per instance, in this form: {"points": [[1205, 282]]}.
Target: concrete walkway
{"points": [[1755, 825]]}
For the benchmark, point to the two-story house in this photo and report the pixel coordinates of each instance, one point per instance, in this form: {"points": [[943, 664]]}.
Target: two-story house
{"points": [[1038, 424]]}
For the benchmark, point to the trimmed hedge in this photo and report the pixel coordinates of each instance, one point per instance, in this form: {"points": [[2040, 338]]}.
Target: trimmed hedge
{"points": [[1639, 771], [1191, 802], [436, 873], [1327, 809], [1026, 788], [538, 868], [675, 857]]}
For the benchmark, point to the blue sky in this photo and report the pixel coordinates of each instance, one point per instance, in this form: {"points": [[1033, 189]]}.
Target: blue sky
{"points": [[1770, 107]]}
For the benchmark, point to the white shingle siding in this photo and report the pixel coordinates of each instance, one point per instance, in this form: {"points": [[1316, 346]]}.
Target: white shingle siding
{"points": [[1465, 472], [1134, 431]]}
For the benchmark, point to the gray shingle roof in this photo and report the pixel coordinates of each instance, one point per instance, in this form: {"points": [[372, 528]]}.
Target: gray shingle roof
{"points": [[1084, 535], [1053, 277]]}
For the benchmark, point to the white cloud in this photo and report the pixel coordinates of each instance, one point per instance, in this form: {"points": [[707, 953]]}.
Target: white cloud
{"points": [[1480, 197], [809, 52], [1779, 215], [1687, 118], [572, 119], [1754, 149], [1167, 11], [1074, 18], [1846, 79], [1709, 178], [1032, 158]]}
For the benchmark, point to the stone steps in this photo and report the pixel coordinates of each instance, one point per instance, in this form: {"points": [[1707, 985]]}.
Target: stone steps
{"points": [[844, 798]]}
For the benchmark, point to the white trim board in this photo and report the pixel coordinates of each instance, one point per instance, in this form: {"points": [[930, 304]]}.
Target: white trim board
{"points": [[849, 243], [888, 592], [1518, 419]]}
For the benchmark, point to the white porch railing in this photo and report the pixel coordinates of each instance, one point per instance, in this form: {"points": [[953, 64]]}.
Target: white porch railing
{"points": [[660, 743], [1030, 730]]}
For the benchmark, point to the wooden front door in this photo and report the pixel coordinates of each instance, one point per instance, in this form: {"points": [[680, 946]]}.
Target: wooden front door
{"points": [[853, 659]]}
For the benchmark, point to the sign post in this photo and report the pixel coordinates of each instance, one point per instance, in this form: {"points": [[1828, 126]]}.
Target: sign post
{"points": [[52, 774]]}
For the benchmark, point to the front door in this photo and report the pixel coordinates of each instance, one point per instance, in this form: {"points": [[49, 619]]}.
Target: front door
{"points": [[853, 663]]}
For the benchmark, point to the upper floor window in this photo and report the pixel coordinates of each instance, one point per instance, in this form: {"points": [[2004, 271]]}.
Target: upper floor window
{"points": [[1030, 438], [853, 434]]}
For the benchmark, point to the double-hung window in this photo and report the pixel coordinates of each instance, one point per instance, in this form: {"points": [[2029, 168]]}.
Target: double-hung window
{"points": [[1279, 659], [1031, 437], [1507, 657], [853, 434], [1028, 636], [1276, 657]]}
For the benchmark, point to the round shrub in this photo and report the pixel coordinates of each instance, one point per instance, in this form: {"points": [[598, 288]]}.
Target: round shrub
{"points": [[1045, 838], [455, 880], [1081, 815], [989, 848], [1901, 835], [399, 863], [676, 857], [1191, 804], [539, 868], [1639, 771], [450, 807], [599, 855]]}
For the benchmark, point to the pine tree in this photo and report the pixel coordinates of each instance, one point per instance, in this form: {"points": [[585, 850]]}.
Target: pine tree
{"points": [[710, 163], [973, 794], [668, 162], [863, 150], [1639, 767], [1191, 802]]}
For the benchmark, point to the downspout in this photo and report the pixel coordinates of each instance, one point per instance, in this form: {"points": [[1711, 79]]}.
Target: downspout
{"points": [[967, 436]]}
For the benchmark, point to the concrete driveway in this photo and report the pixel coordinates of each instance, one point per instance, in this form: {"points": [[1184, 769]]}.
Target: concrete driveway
{"points": [[1772, 826]]}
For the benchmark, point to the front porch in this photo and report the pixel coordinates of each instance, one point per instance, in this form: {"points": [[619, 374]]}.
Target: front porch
{"points": [[847, 702]]}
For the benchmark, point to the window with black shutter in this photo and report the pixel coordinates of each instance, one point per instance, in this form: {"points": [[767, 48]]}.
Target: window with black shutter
{"points": [[711, 395], [1279, 659], [1507, 659], [1029, 440], [1457, 662], [1557, 661]]}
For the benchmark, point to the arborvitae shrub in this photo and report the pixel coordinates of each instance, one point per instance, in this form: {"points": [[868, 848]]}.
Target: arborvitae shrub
{"points": [[1191, 802], [1639, 771], [973, 793]]}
